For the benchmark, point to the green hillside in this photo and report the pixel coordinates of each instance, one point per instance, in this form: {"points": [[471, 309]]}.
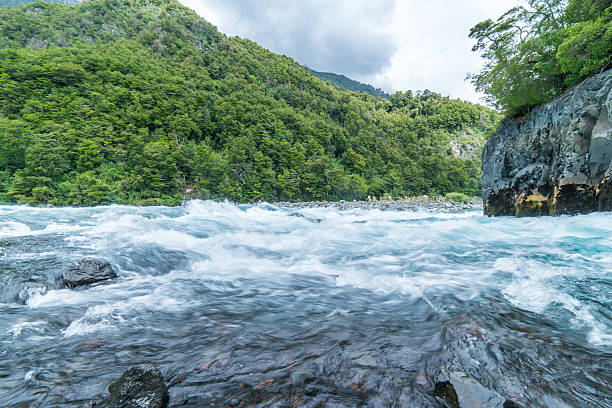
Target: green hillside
{"points": [[349, 84], [143, 101]]}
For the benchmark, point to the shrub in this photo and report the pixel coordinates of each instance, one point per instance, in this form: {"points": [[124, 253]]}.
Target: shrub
{"points": [[457, 198]]}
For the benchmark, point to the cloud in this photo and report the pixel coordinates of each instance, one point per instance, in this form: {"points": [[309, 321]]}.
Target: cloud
{"points": [[344, 36], [434, 50], [391, 44]]}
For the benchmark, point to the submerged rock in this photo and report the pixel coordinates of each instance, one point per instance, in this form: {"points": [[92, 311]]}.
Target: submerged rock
{"points": [[139, 387], [87, 272], [299, 215], [557, 159]]}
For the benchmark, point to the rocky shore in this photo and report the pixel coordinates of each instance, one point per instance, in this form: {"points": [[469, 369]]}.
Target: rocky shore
{"points": [[443, 206]]}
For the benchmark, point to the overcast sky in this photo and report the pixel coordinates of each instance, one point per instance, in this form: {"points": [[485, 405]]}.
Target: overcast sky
{"points": [[391, 44]]}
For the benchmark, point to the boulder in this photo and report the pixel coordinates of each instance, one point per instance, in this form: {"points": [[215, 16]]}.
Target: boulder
{"points": [[139, 387], [463, 391], [446, 391], [87, 272], [472, 394], [555, 160]]}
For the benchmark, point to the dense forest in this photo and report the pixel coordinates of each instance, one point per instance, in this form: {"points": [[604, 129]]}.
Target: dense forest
{"points": [[349, 84], [143, 101], [535, 53]]}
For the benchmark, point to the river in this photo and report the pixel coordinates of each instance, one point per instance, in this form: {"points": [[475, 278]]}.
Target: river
{"points": [[255, 305]]}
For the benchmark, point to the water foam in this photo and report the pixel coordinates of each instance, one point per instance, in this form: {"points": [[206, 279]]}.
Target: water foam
{"points": [[14, 229], [413, 253]]}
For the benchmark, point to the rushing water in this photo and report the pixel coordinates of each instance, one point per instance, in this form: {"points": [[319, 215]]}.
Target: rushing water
{"points": [[249, 306]]}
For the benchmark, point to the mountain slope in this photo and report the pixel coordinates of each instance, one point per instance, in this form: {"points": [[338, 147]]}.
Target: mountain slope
{"points": [[349, 84], [143, 101]]}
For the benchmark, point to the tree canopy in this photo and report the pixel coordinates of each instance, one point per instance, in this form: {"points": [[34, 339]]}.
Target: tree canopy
{"points": [[143, 101], [534, 53]]}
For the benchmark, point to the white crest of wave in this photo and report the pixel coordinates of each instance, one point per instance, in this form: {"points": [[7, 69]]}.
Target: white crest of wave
{"points": [[110, 316], [12, 229], [21, 326], [533, 288]]}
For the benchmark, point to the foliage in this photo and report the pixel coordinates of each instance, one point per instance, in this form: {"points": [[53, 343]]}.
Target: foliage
{"points": [[457, 198], [535, 53], [343, 82], [142, 101]]}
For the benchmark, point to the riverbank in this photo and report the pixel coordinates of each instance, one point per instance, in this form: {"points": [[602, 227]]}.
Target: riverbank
{"points": [[424, 205], [416, 205]]}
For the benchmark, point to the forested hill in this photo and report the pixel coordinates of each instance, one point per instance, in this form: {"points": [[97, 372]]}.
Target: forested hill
{"points": [[143, 101], [349, 84]]}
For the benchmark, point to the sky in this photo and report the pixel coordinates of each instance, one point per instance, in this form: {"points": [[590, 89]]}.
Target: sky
{"points": [[396, 45]]}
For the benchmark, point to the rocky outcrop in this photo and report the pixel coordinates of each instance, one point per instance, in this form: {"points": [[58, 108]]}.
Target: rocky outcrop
{"points": [[557, 159], [87, 272], [139, 387]]}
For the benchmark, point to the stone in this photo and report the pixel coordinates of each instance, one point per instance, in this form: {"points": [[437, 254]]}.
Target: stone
{"points": [[472, 394], [555, 160], [87, 272], [139, 387], [446, 391]]}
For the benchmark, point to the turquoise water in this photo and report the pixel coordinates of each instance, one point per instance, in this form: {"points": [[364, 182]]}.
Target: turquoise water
{"points": [[247, 304]]}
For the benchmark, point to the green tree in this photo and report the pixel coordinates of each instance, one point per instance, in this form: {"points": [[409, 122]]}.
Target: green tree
{"points": [[533, 53]]}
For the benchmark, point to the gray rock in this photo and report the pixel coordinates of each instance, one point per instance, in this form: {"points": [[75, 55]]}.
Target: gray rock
{"points": [[87, 272], [557, 159], [139, 387], [463, 391], [472, 394]]}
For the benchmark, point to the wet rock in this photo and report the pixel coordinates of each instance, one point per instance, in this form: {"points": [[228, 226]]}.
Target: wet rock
{"points": [[446, 391], [472, 394], [557, 159], [471, 364], [139, 387], [87, 272], [511, 404], [313, 220]]}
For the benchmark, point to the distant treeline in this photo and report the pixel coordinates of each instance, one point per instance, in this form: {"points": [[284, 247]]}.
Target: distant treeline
{"points": [[349, 84]]}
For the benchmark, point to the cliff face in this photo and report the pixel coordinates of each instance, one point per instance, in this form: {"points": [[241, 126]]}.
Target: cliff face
{"points": [[556, 160]]}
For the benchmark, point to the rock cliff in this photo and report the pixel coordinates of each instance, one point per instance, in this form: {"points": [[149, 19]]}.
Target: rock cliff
{"points": [[557, 159]]}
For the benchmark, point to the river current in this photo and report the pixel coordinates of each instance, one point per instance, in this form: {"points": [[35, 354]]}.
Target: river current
{"points": [[255, 305]]}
